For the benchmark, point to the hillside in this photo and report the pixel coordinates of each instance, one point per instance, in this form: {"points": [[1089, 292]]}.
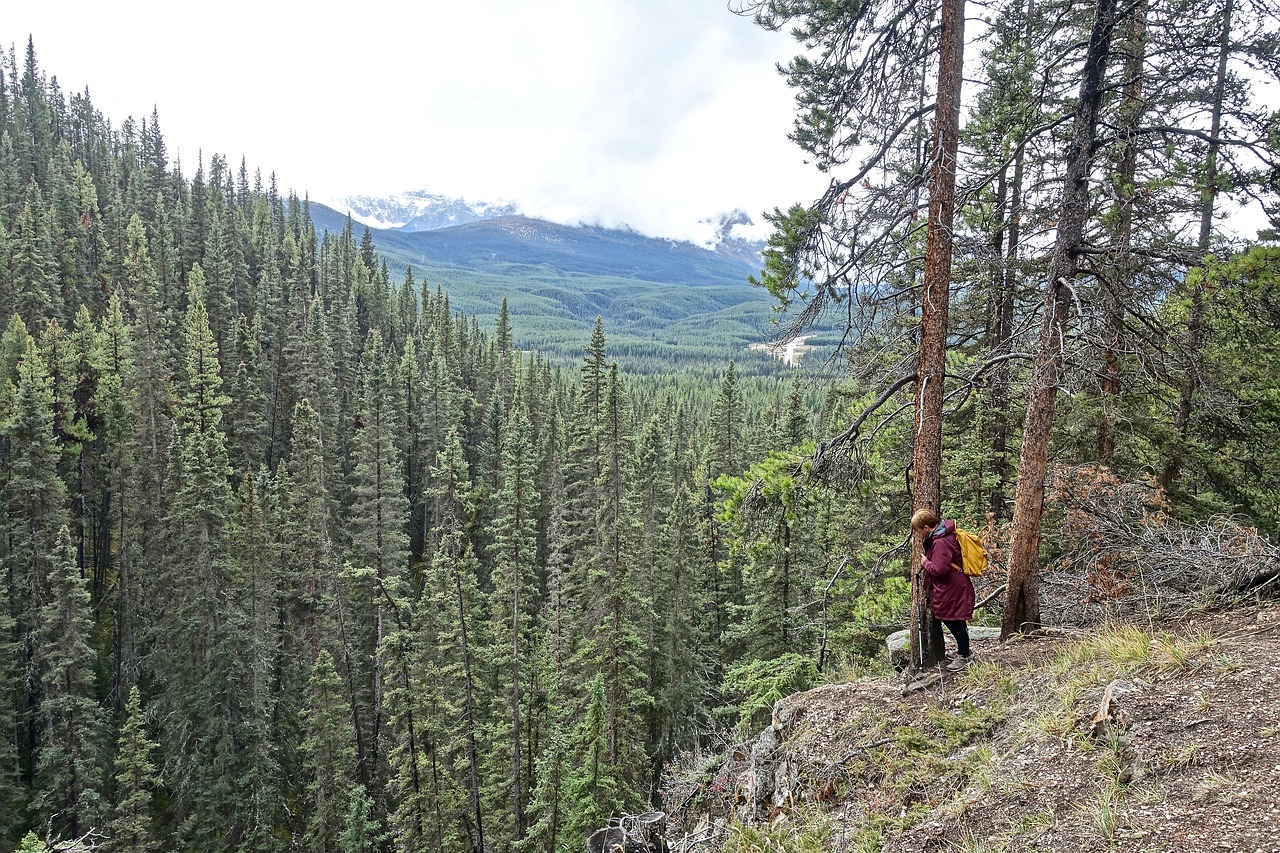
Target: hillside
{"points": [[1159, 739], [668, 299]]}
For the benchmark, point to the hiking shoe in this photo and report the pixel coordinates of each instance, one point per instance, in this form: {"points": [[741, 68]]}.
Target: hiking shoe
{"points": [[959, 663]]}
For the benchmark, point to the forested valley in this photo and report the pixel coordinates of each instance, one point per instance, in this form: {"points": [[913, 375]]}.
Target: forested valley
{"points": [[296, 557]]}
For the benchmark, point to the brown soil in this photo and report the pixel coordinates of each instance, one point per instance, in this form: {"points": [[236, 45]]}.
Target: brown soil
{"points": [[1017, 754]]}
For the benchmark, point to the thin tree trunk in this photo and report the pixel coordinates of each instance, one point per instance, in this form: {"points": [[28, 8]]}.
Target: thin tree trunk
{"points": [[1195, 320], [1114, 295], [517, 784], [1022, 605], [927, 457], [415, 777], [1001, 381], [1007, 286], [472, 756]]}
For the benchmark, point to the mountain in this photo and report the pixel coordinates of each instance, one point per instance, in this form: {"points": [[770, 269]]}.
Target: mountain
{"points": [[727, 243], [666, 297], [418, 210]]}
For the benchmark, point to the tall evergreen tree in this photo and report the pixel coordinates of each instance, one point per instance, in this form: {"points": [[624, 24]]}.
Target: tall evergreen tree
{"points": [[35, 514], [202, 646], [379, 522], [32, 268], [331, 758], [728, 450], [132, 828], [69, 782], [513, 605]]}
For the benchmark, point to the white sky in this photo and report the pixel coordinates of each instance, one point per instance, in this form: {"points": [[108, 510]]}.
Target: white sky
{"points": [[652, 113]]}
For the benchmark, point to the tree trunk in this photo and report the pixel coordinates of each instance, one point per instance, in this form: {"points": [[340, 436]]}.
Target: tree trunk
{"points": [[473, 774], [1022, 605], [1115, 295], [1195, 320], [1005, 284], [927, 457]]}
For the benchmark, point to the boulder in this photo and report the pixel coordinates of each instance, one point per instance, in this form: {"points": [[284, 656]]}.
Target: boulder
{"points": [[899, 643]]}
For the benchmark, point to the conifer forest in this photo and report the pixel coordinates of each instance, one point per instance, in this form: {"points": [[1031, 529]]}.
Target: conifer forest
{"points": [[294, 556]]}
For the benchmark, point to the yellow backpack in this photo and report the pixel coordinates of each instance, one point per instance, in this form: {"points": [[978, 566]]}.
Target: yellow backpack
{"points": [[973, 557]]}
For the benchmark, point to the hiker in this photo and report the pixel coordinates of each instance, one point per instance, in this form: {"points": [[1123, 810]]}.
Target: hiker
{"points": [[952, 595]]}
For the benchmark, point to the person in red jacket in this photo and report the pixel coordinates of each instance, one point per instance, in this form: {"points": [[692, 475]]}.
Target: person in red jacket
{"points": [[951, 592]]}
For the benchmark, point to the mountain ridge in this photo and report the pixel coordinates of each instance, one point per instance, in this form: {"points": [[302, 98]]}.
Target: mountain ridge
{"points": [[670, 299], [422, 210], [514, 239], [417, 210]]}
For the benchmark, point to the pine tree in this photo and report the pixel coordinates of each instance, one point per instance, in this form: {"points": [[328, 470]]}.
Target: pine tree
{"points": [[379, 519], [309, 606], [35, 116], [361, 833], [413, 743], [408, 381], [728, 450], [316, 382], [444, 419], [683, 688], [1022, 606], [613, 608], [112, 360], [255, 629], [512, 611], [651, 492], [308, 533], [792, 427], [35, 515], [132, 829], [331, 759], [591, 793], [506, 365], [202, 643], [69, 781], [31, 843], [453, 627], [246, 424], [149, 384], [32, 269]]}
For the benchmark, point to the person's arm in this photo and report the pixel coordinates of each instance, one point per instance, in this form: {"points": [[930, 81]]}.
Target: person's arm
{"points": [[945, 550]]}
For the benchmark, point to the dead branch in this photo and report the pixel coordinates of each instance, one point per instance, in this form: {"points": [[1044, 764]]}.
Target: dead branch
{"points": [[984, 602], [1121, 556], [865, 748], [1104, 721], [820, 456]]}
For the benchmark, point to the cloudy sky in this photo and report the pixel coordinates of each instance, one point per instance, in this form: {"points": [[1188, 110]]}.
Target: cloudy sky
{"points": [[656, 114]]}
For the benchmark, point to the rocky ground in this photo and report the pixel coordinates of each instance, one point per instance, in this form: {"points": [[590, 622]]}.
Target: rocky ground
{"points": [[1159, 738]]}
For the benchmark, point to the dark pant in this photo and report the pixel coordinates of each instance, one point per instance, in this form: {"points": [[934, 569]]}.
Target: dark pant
{"points": [[959, 629]]}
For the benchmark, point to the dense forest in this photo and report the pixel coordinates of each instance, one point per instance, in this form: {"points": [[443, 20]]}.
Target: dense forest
{"points": [[296, 557]]}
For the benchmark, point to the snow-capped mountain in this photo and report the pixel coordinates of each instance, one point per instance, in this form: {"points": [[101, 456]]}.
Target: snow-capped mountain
{"points": [[418, 210], [731, 237]]}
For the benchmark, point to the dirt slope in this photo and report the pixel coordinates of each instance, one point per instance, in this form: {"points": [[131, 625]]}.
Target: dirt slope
{"points": [[1159, 738]]}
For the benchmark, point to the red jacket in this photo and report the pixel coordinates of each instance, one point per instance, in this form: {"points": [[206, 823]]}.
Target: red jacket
{"points": [[951, 594]]}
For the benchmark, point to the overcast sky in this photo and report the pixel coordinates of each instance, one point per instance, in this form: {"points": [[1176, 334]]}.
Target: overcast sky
{"points": [[656, 114]]}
